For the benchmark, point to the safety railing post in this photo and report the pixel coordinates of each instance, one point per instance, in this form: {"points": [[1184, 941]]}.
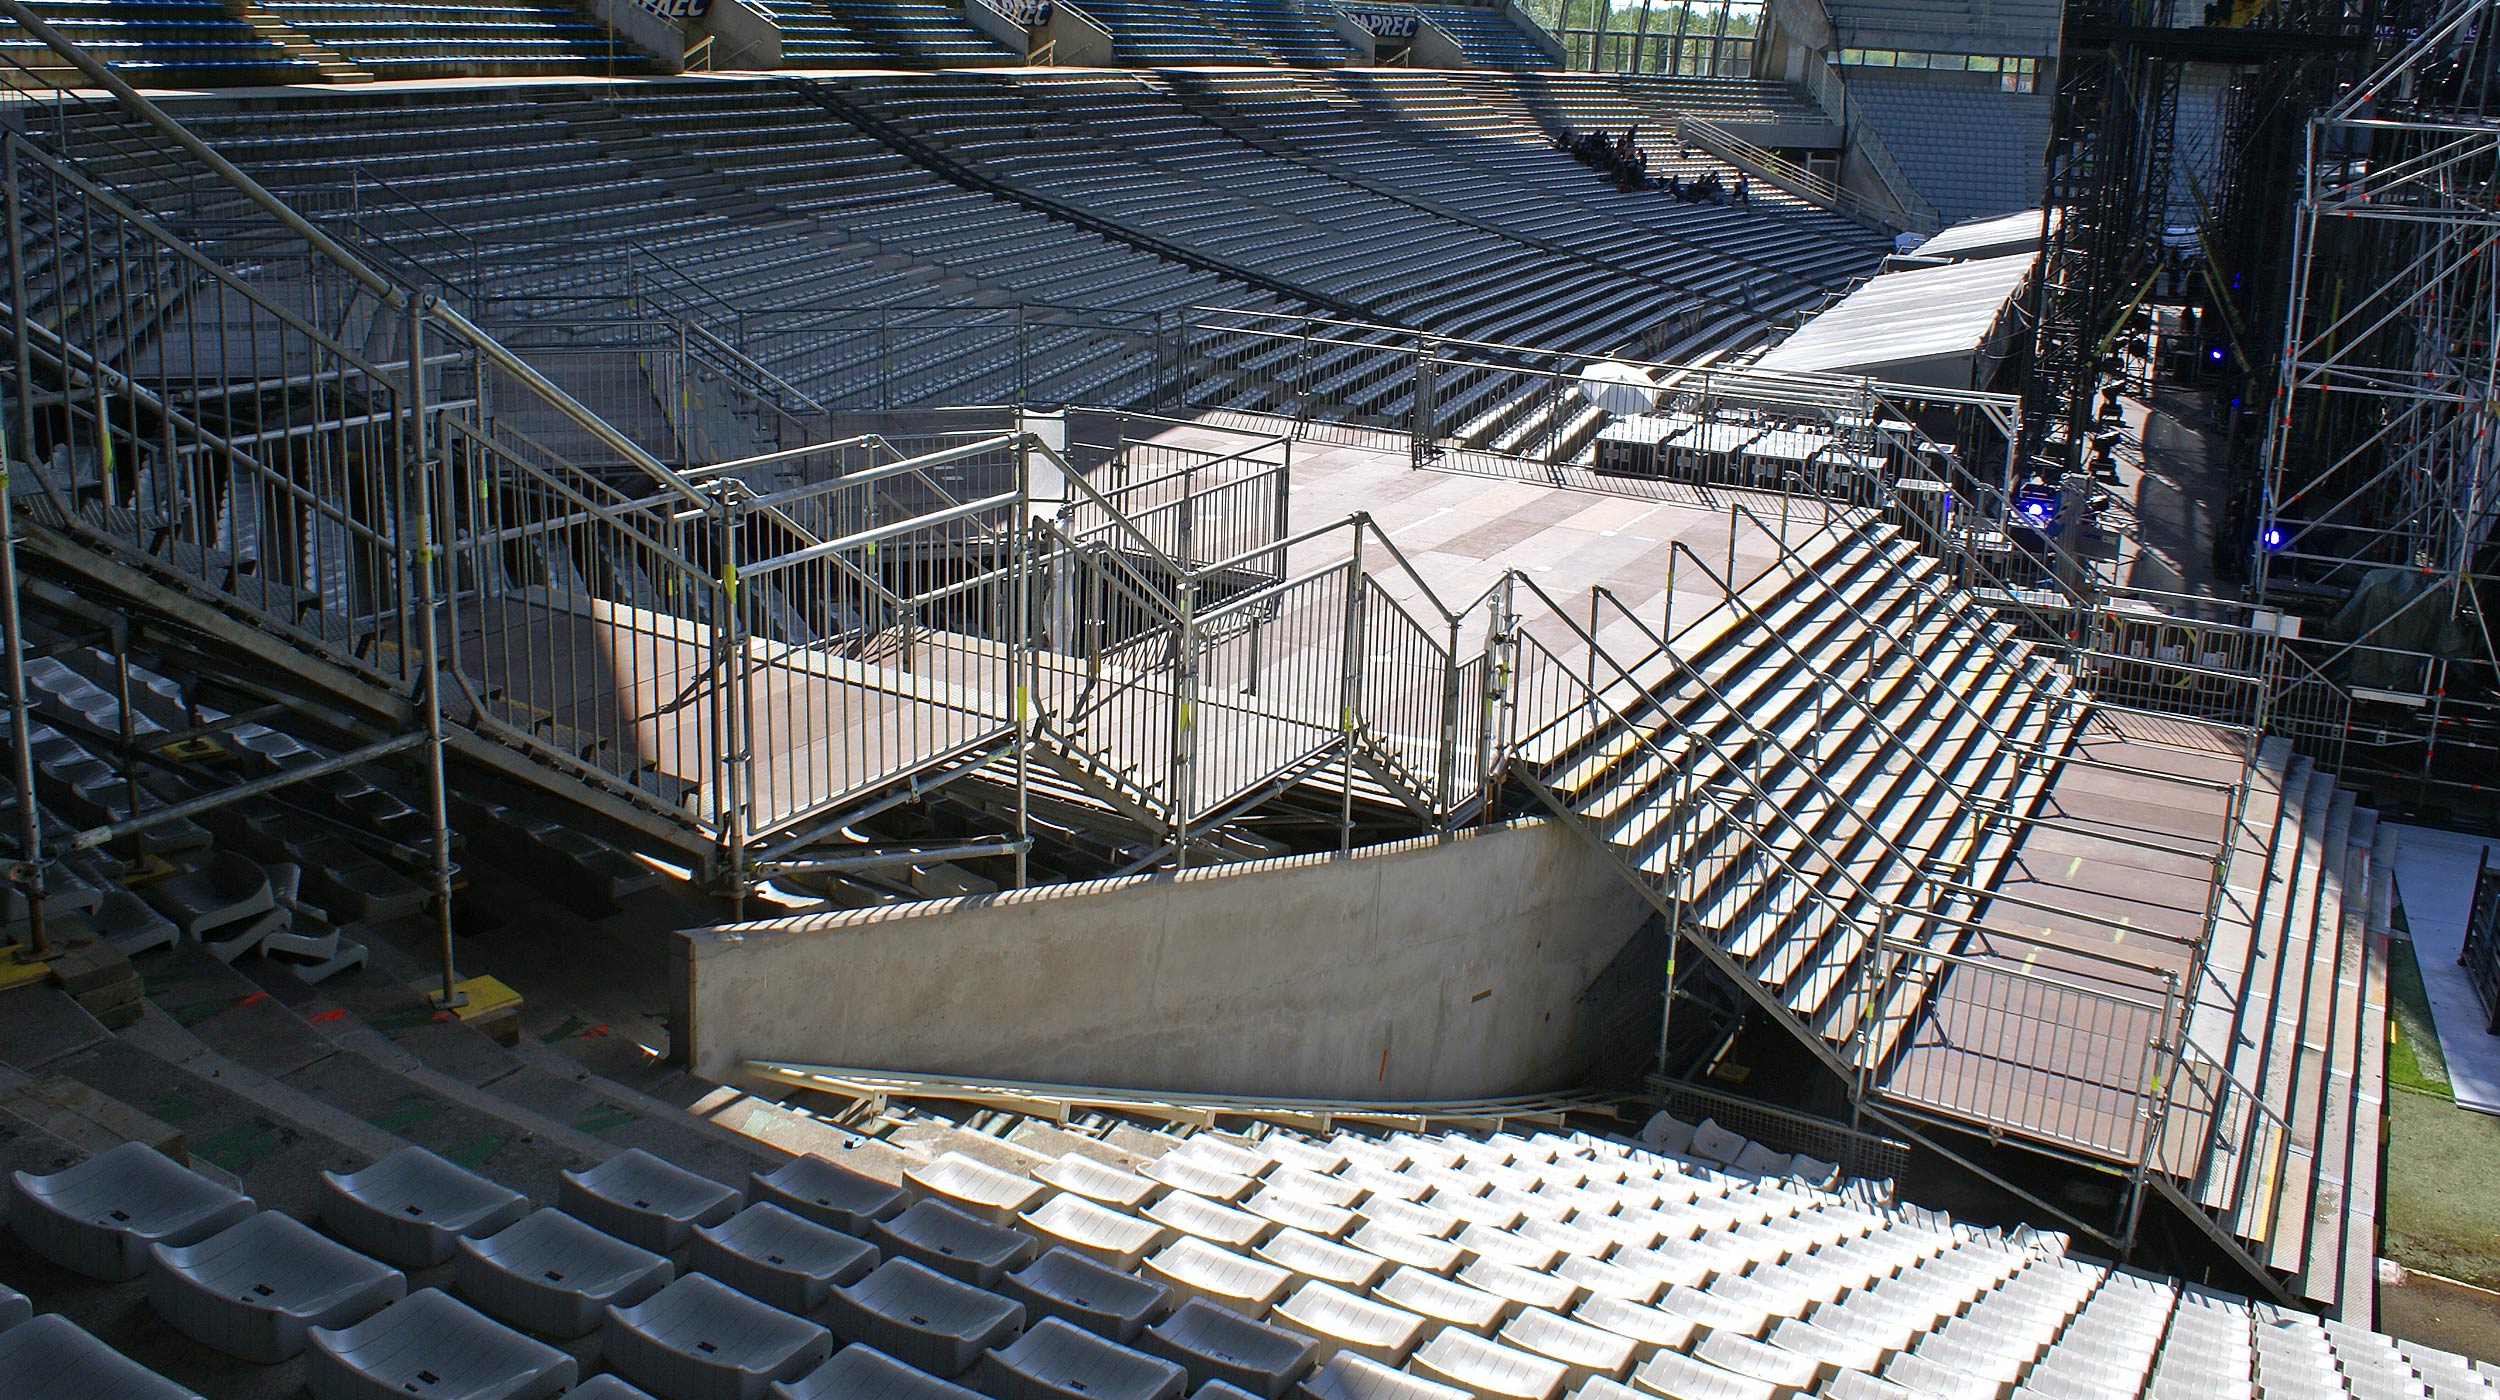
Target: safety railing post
{"points": [[1181, 770], [27, 872], [1350, 691], [728, 692], [1022, 645], [417, 491]]}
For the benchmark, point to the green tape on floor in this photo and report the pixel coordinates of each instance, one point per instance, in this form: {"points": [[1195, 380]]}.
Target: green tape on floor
{"points": [[395, 1022], [191, 1013], [475, 1151], [573, 1026], [404, 1115], [238, 1147], [604, 1117], [173, 1108]]}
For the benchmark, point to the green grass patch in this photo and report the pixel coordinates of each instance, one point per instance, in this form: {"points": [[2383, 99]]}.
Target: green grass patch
{"points": [[2439, 1209], [2413, 1058]]}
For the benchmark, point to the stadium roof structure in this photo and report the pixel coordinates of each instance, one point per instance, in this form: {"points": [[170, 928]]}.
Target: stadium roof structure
{"points": [[1934, 326]]}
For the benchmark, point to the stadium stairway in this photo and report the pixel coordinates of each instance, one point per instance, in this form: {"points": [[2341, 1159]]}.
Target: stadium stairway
{"points": [[1849, 766], [2290, 1023], [924, 1250]]}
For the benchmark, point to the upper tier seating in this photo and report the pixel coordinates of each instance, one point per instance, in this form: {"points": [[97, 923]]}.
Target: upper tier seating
{"points": [[1971, 148], [160, 43], [461, 38]]}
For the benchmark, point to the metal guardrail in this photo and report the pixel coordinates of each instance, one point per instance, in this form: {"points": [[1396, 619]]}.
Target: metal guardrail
{"points": [[1061, 1102], [1773, 169], [2480, 957]]}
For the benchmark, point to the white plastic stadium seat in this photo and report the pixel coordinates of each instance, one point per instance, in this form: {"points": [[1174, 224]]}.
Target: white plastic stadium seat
{"points": [[976, 1187], [432, 1346], [1193, 1268], [954, 1242], [1055, 1360], [14, 1309], [832, 1195], [408, 1208], [555, 1275], [645, 1201], [1343, 1321], [1103, 1300], [1099, 1182], [776, 1257], [700, 1339], [1351, 1377], [1487, 1369], [52, 1356], [1216, 1344], [99, 1217], [253, 1290], [865, 1371], [1095, 1230], [923, 1318]]}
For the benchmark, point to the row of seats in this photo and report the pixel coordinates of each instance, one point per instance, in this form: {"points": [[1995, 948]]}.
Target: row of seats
{"points": [[171, 43], [1407, 1267], [868, 281]]}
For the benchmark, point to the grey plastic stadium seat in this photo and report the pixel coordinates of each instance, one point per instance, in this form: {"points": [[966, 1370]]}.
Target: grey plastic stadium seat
{"points": [[430, 1345], [1351, 1377], [14, 1309], [99, 1217], [976, 1188], [1099, 1182], [1054, 1360], [408, 1208], [555, 1275], [830, 1194], [1218, 1344], [52, 1356], [865, 1373], [1093, 1295], [1757, 1160], [923, 1318], [775, 1257], [954, 1242], [1487, 1369], [606, 1388], [253, 1290], [645, 1201], [700, 1339]]}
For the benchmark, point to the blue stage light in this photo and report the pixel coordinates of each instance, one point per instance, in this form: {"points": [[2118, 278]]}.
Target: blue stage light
{"points": [[2273, 537]]}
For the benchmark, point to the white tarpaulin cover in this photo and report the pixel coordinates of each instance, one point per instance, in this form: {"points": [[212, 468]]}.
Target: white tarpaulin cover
{"points": [[1987, 238], [1930, 325]]}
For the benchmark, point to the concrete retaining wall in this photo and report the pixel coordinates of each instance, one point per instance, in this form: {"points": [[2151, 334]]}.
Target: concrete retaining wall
{"points": [[1424, 969]]}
